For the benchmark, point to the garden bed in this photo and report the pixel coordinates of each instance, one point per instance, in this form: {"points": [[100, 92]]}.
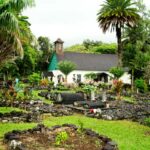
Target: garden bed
{"points": [[64, 137]]}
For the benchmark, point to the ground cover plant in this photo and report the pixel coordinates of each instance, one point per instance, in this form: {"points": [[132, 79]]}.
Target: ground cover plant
{"points": [[128, 135]]}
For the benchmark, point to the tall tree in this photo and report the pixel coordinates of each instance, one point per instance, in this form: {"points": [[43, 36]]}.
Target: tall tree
{"points": [[113, 15], [45, 46], [10, 32], [28, 64], [136, 55]]}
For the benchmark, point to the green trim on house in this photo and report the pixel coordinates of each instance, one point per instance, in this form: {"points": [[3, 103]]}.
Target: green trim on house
{"points": [[53, 62]]}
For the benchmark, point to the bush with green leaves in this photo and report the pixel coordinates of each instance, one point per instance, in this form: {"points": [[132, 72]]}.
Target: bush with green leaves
{"points": [[91, 76], [141, 85], [61, 137], [147, 121], [102, 85], [62, 87], [117, 72], [34, 78], [81, 126], [88, 88]]}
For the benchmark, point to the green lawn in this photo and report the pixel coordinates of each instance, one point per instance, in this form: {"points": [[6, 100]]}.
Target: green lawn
{"points": [[129, 99], [128, 135], [36, 96], [9, 109]]}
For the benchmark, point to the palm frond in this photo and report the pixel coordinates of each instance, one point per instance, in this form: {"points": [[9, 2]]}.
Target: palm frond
{"points": [[16, 5], [118, 12], [8, 21]]}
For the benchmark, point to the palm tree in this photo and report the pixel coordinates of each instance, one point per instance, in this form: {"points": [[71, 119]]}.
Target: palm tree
{"points": [[10, 29], [113, 15], [66, 67]]}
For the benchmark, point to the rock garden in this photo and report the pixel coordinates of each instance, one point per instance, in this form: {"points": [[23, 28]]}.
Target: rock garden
{"points": [[43, 103], [93, 95]]}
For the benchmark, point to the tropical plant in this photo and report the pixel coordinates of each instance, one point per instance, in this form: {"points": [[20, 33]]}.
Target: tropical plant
{"points": [[117, 86], [117, 72], [88, 88], [28, 64], [9, 69], [66, 67], [44, 82], [11, 34], [141, 85], [34, 78], [46, 47], [61, 137], [81, 126], [147, 121], [114, 15], [91, 76], [136, 45]]}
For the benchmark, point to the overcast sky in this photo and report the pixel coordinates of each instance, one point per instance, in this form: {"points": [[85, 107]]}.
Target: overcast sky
{"points": [[71, 20]]}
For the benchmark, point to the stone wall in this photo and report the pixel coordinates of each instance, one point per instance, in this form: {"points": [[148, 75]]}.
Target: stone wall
{"points": [[39, 106], [18, 117], [119, 110]]}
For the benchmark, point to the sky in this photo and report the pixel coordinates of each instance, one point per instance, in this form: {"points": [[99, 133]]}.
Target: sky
{"points": [[71, 20]]}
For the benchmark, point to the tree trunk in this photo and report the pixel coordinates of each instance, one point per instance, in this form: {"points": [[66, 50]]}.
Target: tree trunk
{"points": [[119, 50], [132, 81], [65, 78]]}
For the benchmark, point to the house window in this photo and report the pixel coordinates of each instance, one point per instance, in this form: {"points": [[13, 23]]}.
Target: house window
{"points": [[78, 78], [74, 78], [60, 78]]}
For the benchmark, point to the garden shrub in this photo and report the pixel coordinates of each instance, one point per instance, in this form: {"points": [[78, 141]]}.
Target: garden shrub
{"points": [[61, 87], [102, 85], [117, 72], [141, 85], [44, 82], [51, 83], [34, 78], [91, 76], [88, 88], [117, 85], [147, 121], [61, 137]]}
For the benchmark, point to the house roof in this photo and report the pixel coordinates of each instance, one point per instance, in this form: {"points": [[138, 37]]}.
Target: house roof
{"points": [[90, 62]]}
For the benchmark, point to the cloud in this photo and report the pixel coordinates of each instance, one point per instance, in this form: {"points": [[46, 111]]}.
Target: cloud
{"points": [[71, 20]]}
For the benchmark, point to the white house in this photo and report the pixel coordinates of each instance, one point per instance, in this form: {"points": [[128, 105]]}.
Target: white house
{"points": [[86, 63]]}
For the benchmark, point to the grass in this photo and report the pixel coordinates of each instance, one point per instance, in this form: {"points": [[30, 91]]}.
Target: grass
{"points": [[9, 109], [36, 96], [128, 135], [129, 99]]}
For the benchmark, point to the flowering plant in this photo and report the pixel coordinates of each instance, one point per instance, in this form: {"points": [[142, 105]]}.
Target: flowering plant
{"points": [[118, 84]]}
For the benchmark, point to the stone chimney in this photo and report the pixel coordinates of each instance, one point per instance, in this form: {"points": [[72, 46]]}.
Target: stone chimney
{"points": [[58, 46]]}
